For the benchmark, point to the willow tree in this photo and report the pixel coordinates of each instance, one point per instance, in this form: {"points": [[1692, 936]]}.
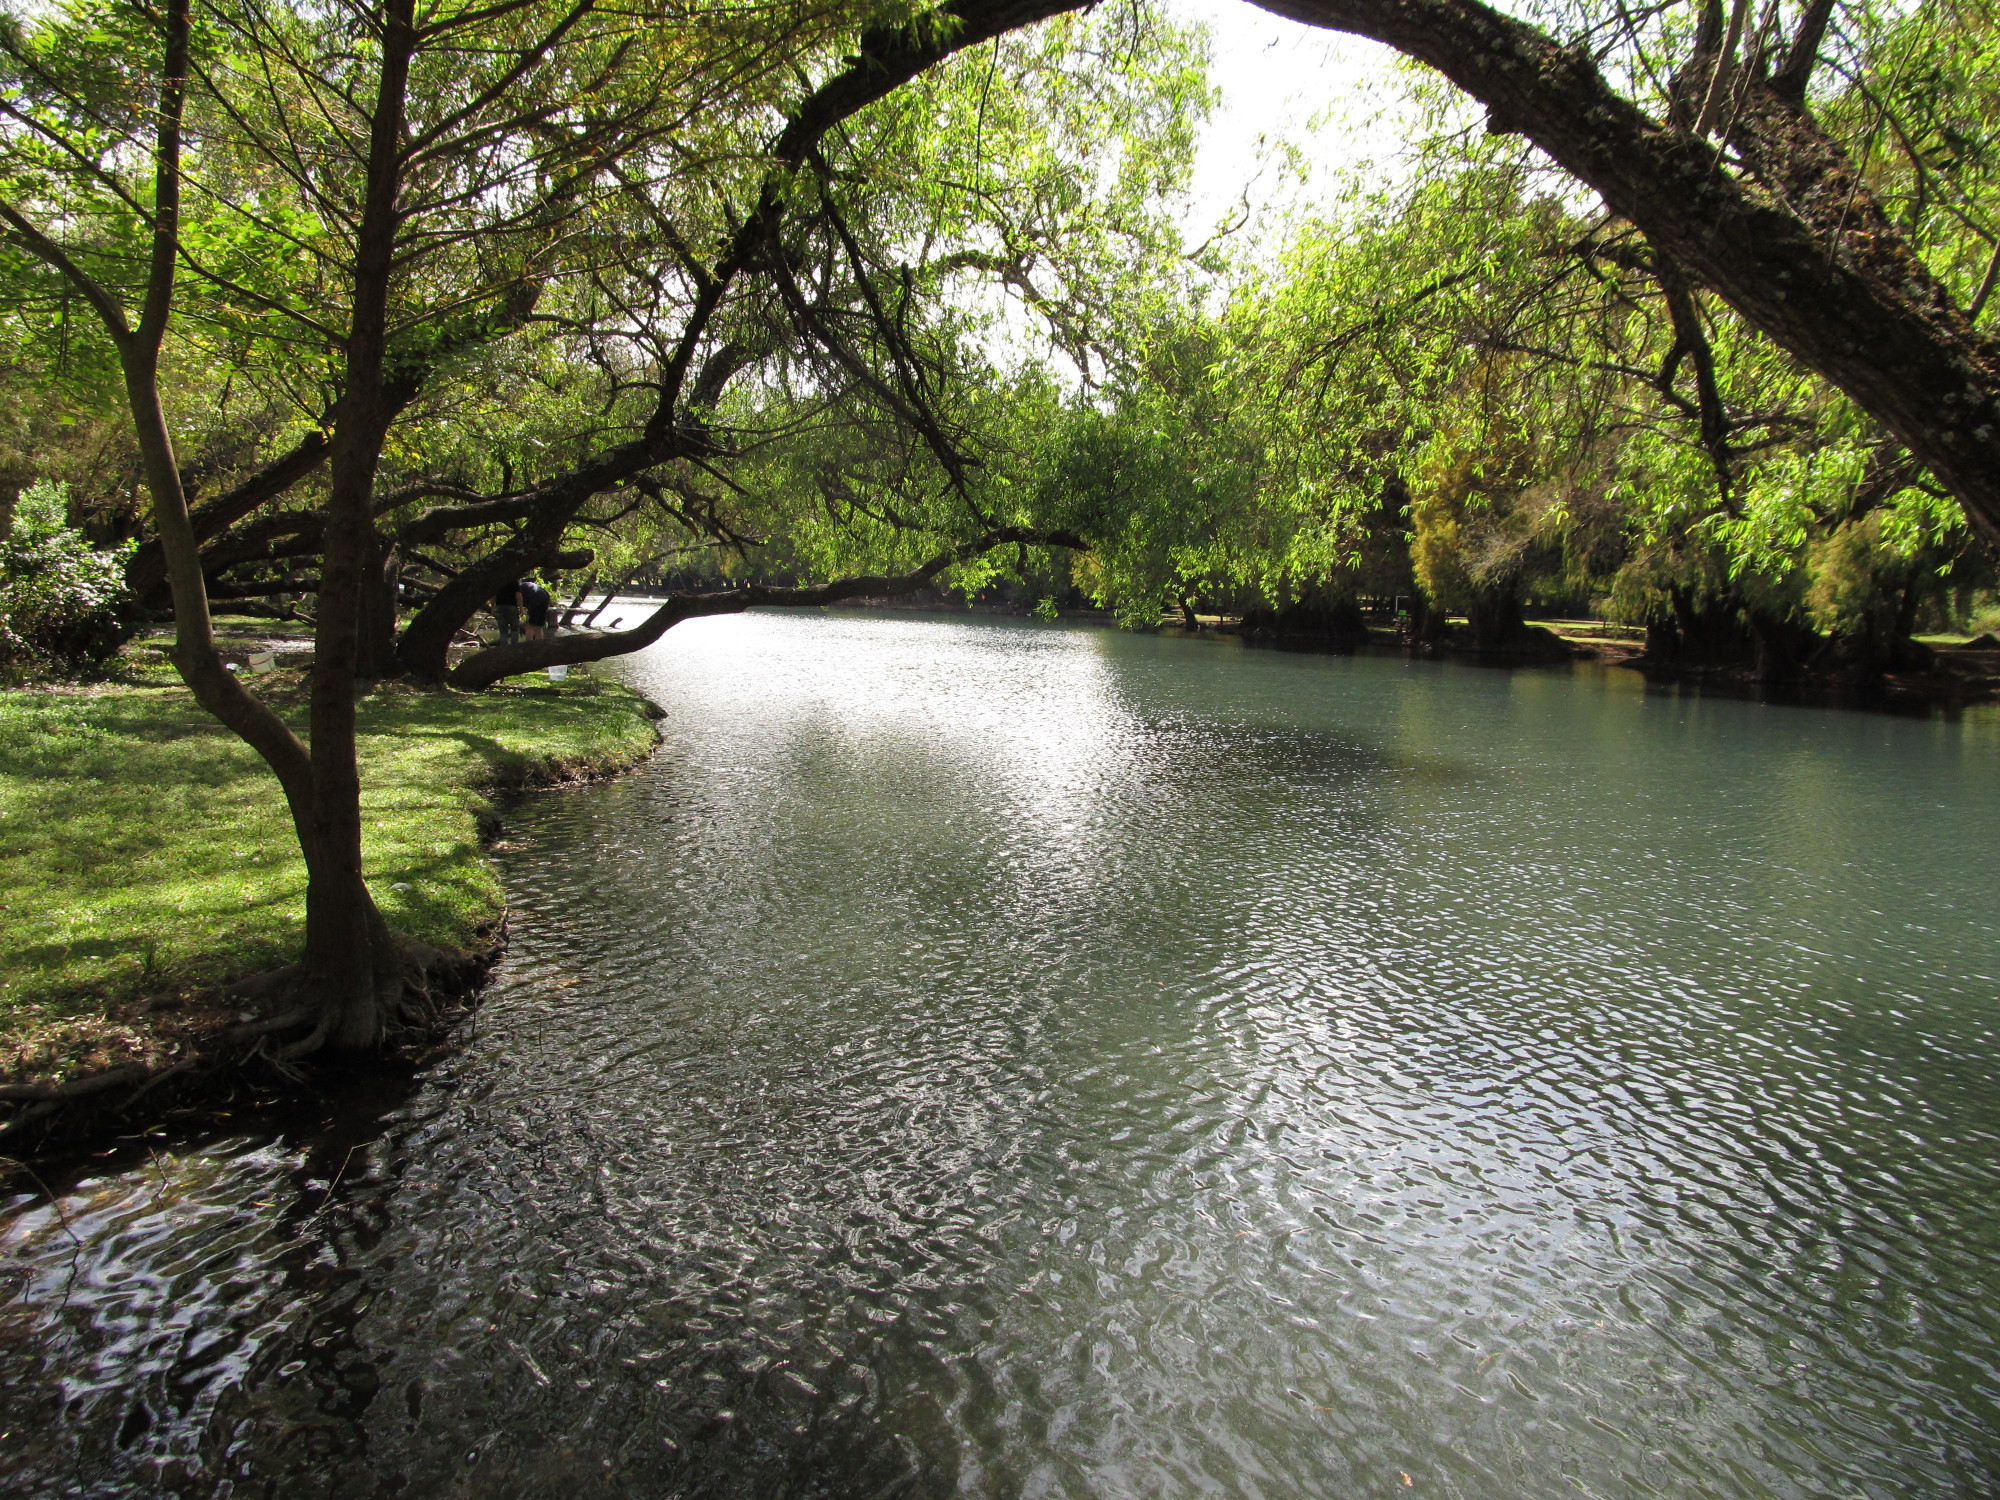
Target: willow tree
{"points": [[1710, 142], [1668, 426]]}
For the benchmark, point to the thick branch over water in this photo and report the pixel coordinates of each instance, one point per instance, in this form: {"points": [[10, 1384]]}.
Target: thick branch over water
{"points": [[1802, 252], [487, 667]]}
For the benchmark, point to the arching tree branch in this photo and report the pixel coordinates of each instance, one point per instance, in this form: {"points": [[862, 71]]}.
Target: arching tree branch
{"points": [[487, 667], [1804, 254]]}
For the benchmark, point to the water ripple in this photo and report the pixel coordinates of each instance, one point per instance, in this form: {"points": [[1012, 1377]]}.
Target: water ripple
{"points": [[993, 1060]]}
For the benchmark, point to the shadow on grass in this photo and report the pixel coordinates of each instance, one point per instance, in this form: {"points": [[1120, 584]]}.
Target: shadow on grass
{"points": [[485, 746], [49, 955]]}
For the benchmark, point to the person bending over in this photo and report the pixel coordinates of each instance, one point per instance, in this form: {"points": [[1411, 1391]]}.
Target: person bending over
{"points": [[535, 603], [507, 611]]}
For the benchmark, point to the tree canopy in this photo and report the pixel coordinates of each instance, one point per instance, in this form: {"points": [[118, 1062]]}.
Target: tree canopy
{"points": [[364, 311]]}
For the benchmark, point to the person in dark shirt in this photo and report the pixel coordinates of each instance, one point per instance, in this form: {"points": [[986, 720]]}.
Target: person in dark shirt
{"points": [[535, 603], [507, 610]]}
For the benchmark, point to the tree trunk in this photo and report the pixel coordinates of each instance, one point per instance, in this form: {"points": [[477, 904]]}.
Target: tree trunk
{"points": [[1495, 620], [352, 962], [1781, 648], [609, 594], [380, 589], [424, 651], [353, 968], [562, 622], [1430, 623], [1708, 635], [1663, 640]]}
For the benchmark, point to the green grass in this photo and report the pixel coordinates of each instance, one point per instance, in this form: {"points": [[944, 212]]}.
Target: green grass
{"points": [[1597, 629], [144, 850], [1949, 638]]}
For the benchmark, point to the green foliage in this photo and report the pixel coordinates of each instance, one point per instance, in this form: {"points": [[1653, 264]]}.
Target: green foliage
{"points": [[1852, 575], [1464, 380], [1865, 589], [1565, 431], [59, 596]]}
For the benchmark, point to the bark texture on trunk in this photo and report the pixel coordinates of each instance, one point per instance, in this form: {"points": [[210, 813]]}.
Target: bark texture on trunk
{"points": [[352, 965], [1803, 253]]}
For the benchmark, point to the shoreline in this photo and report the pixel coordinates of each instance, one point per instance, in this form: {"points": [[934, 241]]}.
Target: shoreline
{"points": [[190, 1047], [200, 1050], [1955, 680]]}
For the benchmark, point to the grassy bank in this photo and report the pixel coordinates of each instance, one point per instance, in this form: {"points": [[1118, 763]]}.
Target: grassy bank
{"points": [[146, 854]]}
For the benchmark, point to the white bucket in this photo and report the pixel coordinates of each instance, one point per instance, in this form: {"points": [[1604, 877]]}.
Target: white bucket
{"points": [[557, 674], [263, 661]]}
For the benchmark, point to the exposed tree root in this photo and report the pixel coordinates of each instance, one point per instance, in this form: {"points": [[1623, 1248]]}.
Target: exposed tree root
{"points": [[76, 1088], [433, 989], [413, 990]]}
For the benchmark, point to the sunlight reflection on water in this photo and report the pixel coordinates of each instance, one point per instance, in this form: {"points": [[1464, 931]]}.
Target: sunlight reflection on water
{"points": [[994, 1059]]}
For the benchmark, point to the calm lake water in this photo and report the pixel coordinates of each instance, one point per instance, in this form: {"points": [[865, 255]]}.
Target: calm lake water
{"points": [[997, 1060]]}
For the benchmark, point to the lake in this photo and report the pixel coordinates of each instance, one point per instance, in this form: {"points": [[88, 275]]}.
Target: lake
{"points": [[995, 1059]]}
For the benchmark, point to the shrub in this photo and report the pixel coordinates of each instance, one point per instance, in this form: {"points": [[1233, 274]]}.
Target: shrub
{"points": [[59, 596], [1868, 586]]}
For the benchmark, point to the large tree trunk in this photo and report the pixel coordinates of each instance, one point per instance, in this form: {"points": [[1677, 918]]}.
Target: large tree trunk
{"points": [[424, 651], [352, 962], [348, 945], [339, 909], [1805, 254]]}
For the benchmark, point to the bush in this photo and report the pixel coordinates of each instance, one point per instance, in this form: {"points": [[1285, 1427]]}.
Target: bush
{"points": [[59, 596], [1865, 592]]}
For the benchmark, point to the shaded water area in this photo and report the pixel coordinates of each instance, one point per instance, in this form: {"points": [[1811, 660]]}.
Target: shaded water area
{"points": [[997, 1060]]}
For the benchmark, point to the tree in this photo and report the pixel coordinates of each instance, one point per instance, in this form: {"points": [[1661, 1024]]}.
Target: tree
{"points": [[1736, 180], [423, 180]]}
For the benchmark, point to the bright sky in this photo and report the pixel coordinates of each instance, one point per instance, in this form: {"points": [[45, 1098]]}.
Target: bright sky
{"points": [[1277, 77]]}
